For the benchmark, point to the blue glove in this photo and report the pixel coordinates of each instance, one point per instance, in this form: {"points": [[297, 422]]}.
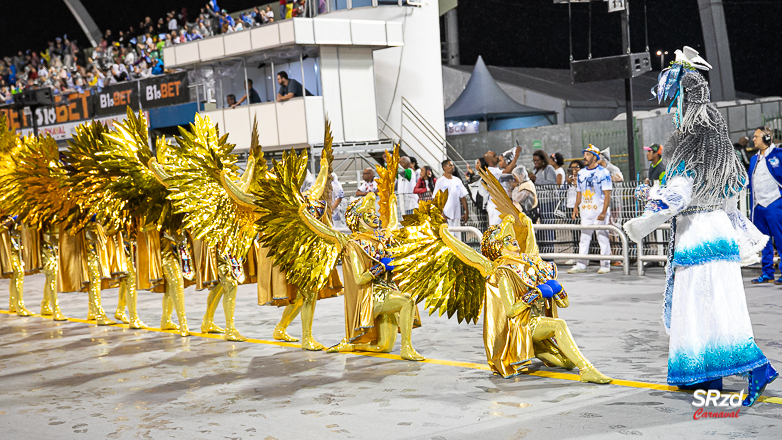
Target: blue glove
{"points": [[387, 263], [546, 291], [554, 285]]}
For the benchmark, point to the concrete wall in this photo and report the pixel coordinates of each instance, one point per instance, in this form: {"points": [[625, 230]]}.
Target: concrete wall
{"points": [[412, 71]]}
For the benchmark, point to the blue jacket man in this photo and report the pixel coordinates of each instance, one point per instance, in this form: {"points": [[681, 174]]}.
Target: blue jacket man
{"points": [[765, 192]]}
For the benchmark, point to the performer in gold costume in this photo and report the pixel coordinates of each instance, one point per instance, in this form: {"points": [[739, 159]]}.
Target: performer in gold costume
{"points": [[374, 307], [286, 275], [222, 227], [518, 290], [31, 180]]}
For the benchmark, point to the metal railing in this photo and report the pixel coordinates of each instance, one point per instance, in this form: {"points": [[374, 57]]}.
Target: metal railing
{"points": [[624, 257], [658, 258]]}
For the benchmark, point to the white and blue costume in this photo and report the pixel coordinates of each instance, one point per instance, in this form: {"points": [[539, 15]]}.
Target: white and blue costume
{"points": [[705, 307]]}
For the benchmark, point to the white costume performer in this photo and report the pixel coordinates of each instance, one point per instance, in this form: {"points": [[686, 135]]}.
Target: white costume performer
{"points": [[705, 309]]}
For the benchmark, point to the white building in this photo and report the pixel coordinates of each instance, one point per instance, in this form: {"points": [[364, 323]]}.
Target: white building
{"points": [[374, 71]]}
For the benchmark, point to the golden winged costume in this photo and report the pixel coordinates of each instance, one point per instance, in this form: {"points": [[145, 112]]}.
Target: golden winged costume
{"points": [[375, 308], [11, 247], [223, 228], [33, 189], [296, 268], [517, 291], [156, 248]]}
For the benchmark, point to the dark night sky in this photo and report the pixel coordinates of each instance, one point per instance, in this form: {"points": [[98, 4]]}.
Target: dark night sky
{"points": [[523, 33]]}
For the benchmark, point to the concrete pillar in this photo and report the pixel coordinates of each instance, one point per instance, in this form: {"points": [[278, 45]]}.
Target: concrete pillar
{"points": [[715, 37], [452, 38]]}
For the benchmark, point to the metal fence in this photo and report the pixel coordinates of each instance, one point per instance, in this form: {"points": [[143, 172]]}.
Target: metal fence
{"points": [[556, 209]]}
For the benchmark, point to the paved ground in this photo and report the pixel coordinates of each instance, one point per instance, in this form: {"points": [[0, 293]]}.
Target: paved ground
{"points": [[75, 380]]}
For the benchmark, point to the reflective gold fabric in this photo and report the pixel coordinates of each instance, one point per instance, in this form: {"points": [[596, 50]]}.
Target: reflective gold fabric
{"points": [[149, 263], [273, 288], [508, 341], [115, 253], [73, 268], [360, 325], [31, 250], [6, 266], [206, 265]]}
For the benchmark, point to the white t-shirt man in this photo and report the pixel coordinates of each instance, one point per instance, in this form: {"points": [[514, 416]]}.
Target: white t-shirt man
{"points": [[591, 184], [406, 197], [456, 191], [494, 215]]}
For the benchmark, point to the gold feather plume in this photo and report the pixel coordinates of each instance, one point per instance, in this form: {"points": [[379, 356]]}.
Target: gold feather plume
{"points": [[525, 234], [86, 178], [385, 185], [306, 258], [196, 190], [123, 156], [430, 270], [34, 188]]}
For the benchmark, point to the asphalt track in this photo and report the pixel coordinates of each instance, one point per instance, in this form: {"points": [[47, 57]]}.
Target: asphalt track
{"points": [[73, 379]]}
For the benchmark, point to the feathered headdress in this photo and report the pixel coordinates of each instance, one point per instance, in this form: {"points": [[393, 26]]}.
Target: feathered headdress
{"points": [[669, 81]]}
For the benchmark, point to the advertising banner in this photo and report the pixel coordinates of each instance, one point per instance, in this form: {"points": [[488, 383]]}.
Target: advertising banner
{"points": [[114, 99], [165, 90]]}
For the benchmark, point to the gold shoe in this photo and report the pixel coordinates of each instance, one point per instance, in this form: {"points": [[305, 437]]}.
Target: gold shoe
{"points": [[46, 308], [210, 327], [183, 330], [343, 347], [409, 353], [21, 310], [168, 324], [281, 335], [136, 324], [590, 374], [58, 316], [120, 315], [232, 334], [103, 320], [311, 344]]}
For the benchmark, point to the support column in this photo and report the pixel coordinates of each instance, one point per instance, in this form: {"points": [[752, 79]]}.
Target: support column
{"points": [[452, 37], [715, 37]]}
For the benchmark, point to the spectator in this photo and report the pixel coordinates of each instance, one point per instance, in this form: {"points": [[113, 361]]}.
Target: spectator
{"points": [[425, 186], [654, 154], [230, 101], [283, 9], [557, 160], [255, 98], [613, 170], [172, 24], [289, 87], [405, 184], [455, 208], [573, 169], [544, 173], [492, 162], [269, 14], [765, 192], [368, 184], [338, 211], [525, 194], [593, 199]]}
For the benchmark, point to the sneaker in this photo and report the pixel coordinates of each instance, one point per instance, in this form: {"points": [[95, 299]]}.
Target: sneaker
{"points": [[763, 279], [778, 282], [576, 269], [603, 270], [570, 262]]}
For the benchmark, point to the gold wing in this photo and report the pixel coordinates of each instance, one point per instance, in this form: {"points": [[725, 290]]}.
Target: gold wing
{"points": [[525, 234], [124, 156], [195, 174], [86, 178], [306, 256], [431, 267], [33, 186], [385, 189]]}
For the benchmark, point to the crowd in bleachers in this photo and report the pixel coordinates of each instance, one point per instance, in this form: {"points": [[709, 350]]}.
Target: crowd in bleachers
{"points": [[122, 55]]}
